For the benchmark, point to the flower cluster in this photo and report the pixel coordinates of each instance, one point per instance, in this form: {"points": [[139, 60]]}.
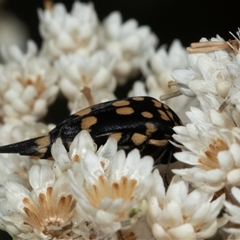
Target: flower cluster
{"points": [[102, 194], [28, 84], [211, 141], [91, 192]]}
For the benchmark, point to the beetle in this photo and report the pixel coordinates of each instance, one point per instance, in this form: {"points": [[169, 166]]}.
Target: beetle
{"points": [[135, 122]]}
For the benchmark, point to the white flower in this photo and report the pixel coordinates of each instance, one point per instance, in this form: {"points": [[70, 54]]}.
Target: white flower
{"points": [[78, 72], [163, 62], [88, 168], [214, 76], [28, 84], [112, 197], [178, 214], [158, 78], [131, 45], [233, 215], [15, 168], [209, 71], [44, 211], [213, 151], [40, 205], [74, 32], [82, 143]]}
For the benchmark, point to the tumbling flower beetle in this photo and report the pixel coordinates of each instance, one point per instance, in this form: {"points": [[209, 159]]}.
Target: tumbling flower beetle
{"points": [[137, 122]]}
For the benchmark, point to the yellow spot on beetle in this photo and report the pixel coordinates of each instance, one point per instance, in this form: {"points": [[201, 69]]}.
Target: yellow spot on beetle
{"points": [[138, 98], [158, 143], [88, 122], [147, 114], [167, 135], [157, 103], [138, 138], [41, 151], [121, 103], [151, 128], [124, 110], [165, 106], [43, 141], [83, 112], [164, 116], [116, 136], [170, 114]]}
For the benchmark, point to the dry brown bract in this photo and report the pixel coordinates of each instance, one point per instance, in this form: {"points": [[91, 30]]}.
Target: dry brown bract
{"points": [[205, 47]]}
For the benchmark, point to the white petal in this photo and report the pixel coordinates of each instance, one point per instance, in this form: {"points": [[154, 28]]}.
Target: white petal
{"points": [[81, 144], [187, 157], [208, 232], [108, 149], [29, 93], [15, 193], [158, 188], [215, 176], [177, 190], [197, 116], [236, 193], [233, 177], [41, 177], [20, 106], [235, 149], [40, 107], [185, 231], [159, 233], [225, 160], [194, 200], [92, 168], [154, 212], [221, 119], [183, 76], [173, 209]]}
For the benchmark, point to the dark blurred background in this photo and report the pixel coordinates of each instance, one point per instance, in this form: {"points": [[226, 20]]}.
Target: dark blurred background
{"points": [[169, 19]]}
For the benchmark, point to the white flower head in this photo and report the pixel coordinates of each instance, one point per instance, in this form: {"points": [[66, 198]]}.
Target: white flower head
{"points": [[64, 33], [15, 168], [46, 210], [112, 197], [162, 63], [213, 151], [28, 85], [214, 75], [82, 143], [131, 45], [178, 214], [158, 78], [94, 72]]}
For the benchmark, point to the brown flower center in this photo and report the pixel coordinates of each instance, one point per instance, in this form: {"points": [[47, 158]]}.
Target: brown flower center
{"points": [[123, 189], [37, 83], [52, 216], [211, 161]]}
